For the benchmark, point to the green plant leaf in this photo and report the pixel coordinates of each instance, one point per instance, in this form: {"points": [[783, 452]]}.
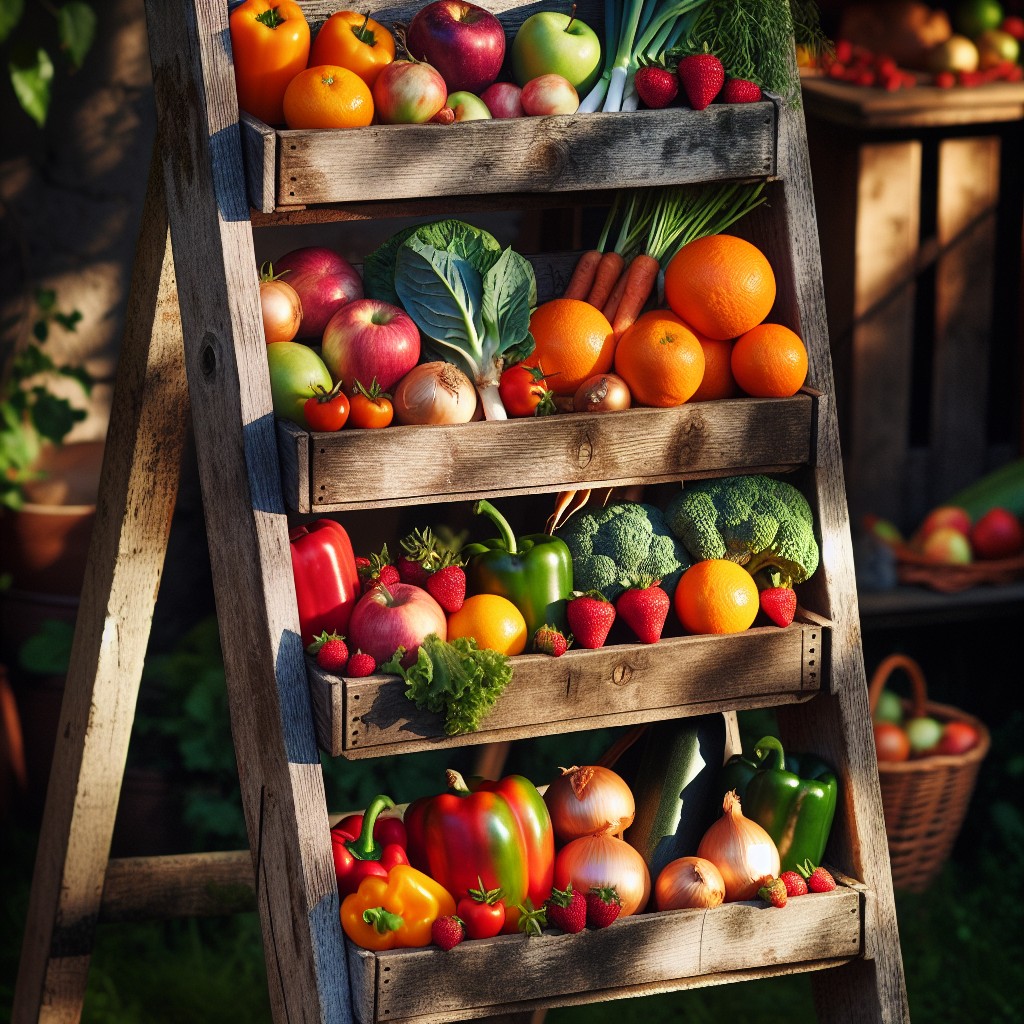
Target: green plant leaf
{"points": [[54, 417], [10, 15], [48, 652], [76, 28], [31, 74]]}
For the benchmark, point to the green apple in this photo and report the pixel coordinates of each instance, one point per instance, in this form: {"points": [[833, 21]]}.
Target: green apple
{"points": [[550, 42], [889, 708], [468, 107], [295, 370], [923, 732]]}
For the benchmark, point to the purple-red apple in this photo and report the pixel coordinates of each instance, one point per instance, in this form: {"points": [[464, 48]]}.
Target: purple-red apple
{"points": [[463, 41], [550, 42], [468, 107], [325, 281], [997, 534], [408, 92], [396, 615], [369, 338], [549, 94], [957, 738], [503, 99], [944, 515], [947, 545], [295, 371]]}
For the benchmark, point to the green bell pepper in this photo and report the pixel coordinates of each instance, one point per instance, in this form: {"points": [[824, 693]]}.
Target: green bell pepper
{"points": [[535, 573], [792, 797]]}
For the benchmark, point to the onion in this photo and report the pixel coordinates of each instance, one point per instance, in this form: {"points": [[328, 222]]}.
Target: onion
{"points": [[587, 801], [689, 883], [435, 393], [594, 861], [741, 850], [605, 392]]}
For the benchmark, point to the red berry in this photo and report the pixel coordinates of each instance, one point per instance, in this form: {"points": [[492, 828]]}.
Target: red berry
{"points": [[739, 90], [818, 878], [702, 77], [567, 910], [603, 906], [773, 892], [447, 932], [330, 650], [656, 86], [794, 882], [779, 604], [550, 640], [590, 618], [447, 587], [644, 608], [360, 664]]}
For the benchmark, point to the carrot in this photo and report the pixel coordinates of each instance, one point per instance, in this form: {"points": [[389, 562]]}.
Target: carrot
{"points": [[582, 279], [608, 272], [612, 303], [639, 283]]}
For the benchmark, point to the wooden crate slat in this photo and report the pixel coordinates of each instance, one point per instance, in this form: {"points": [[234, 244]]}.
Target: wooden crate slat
{"points": [[615, 685], [461, 461], [636, 952]]}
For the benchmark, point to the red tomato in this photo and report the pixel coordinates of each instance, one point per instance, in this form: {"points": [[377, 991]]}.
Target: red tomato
{"points": [[956, 738], [523, 393], [891, 742], [327, 411], [481, 919], [371, 407]]}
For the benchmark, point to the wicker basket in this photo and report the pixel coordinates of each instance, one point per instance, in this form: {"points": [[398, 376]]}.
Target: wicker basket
{"points": [[925, 799], [913, 568]]}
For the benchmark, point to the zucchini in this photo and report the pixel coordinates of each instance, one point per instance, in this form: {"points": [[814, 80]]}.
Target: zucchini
{"points": [[1002, 488]]}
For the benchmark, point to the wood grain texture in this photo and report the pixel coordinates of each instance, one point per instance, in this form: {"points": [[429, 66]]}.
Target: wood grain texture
{"points": [[138, 487], [584, 689], [259, 143], [493, 459], [637, 952]]}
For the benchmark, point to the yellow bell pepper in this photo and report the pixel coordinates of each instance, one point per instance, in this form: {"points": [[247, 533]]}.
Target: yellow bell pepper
{"points": [[395, 912]]}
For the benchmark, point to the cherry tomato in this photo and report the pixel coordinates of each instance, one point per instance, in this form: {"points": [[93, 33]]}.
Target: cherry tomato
{"points": [[523, 393], [482, 912], [280, 305], [325, 410], [354, 41], [371, 406]]}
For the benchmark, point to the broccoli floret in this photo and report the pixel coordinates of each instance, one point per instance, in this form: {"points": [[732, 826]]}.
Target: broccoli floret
{"points": [[764, 524], [620, 543]]}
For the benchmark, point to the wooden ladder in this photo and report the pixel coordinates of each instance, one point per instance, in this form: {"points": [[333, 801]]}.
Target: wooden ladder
{"points": [[193, 341]]}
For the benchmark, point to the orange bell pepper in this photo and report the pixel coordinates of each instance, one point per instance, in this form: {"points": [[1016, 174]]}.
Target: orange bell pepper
{"points": [[395, 912], [270, 45], [356, 42]]}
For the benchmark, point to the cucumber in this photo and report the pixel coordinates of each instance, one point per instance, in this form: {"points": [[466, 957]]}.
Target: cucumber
{"points": [[1002, 488]]}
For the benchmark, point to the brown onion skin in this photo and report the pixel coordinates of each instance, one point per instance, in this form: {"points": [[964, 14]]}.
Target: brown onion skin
{"points": [[604, 860], [604, 392], [281, 309], [606, 805], [744, 869], [410, 411], [681, 874]]}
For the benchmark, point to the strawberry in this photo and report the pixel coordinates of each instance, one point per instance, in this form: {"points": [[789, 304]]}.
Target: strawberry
{"points": [[567, 909], [656, 86], [644, 608], [421, 557], [794, 882], [603, 906], [447, 932], [331, 651], [701, 75], [590, 615], [447, 587], [818, 878], [360, 664], [377, 569], [550, 640], [779, 604], [739, 90], [773, 891]]}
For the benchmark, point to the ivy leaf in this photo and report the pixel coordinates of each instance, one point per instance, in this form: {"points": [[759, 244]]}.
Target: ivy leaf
{"points": [[76, 28], [10, 15], [54, 417], [31, 75]]}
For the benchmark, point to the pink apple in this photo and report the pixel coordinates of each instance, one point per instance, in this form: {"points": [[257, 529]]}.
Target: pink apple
{"points": [[944, 515], [503, 99], [325, 281], [398, 615], [369, 338], [549, 94], [468, 107], [408, 92], [997, 534], [947, 545], [463, 41]]}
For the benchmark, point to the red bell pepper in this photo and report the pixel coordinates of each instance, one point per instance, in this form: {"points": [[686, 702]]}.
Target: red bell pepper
{"points": [[358, 854], [387, 829], [485, 835], [326, 580]]}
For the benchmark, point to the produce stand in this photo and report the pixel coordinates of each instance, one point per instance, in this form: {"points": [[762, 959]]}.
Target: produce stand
{"points": [[194, 340]]}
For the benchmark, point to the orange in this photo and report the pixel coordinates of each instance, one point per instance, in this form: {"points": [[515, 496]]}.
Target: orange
{"points": [[574, 341], [327, 96], [718, 380], [661, 360], [716, 596], [720, 285], [492, 621], [769, 361]]}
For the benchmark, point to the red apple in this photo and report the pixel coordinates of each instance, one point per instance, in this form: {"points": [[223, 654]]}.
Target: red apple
{"points": [[549, 94], [503, 99], [956, 738], [944, 515], [369, 338], [997, 534], [325, 281], [399, 615], [408, 92], [947, 545], [891, 742], [463, 41]]}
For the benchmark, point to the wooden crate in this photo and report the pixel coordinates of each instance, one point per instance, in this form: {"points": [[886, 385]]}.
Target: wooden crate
{"points": [[639, 955]]}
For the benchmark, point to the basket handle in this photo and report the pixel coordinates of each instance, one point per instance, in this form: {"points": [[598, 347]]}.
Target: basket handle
{"points": [[914, 672]]}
